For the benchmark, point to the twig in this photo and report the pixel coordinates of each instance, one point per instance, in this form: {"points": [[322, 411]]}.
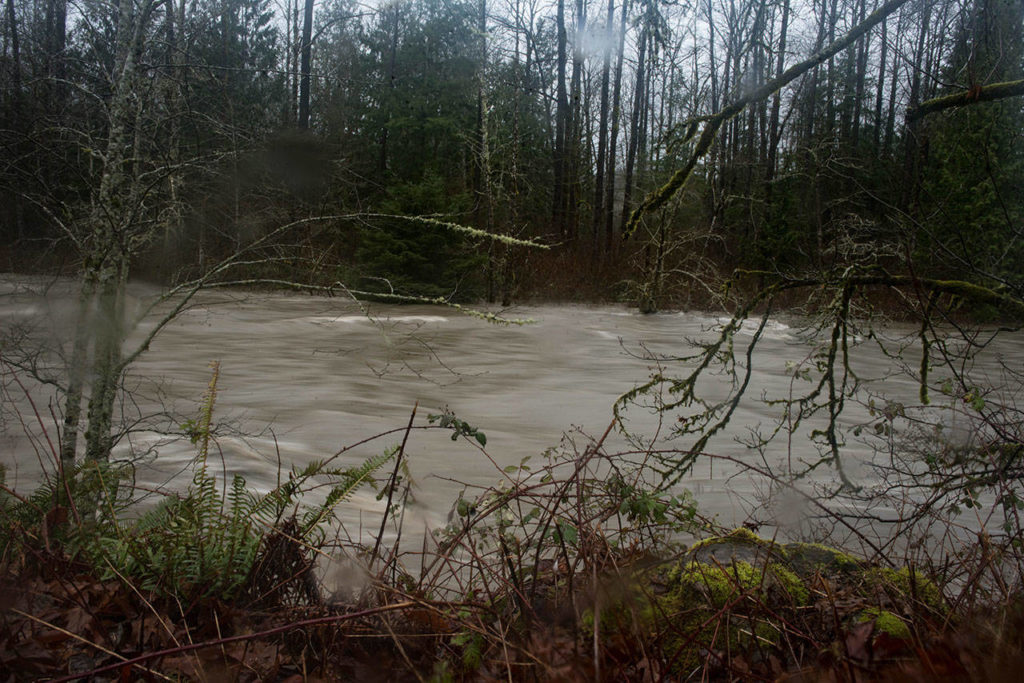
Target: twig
{"points": [[124, 660], [319, 621], [391, 485], [146, 602]]}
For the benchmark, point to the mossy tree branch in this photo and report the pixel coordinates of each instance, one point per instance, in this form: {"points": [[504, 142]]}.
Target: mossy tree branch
{"points": [[1007, 304], [974, 95]]}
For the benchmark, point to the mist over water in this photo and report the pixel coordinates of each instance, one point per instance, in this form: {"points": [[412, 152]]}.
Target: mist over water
{"points": [[303, 377]]}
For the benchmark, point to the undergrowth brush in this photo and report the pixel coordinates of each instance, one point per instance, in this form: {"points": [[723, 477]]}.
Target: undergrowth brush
{"points": [[572, 567]]}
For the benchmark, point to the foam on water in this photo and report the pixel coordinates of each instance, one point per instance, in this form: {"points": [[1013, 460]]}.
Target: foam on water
{"points": [[22, 311], [337, 319], [773, 329], [418, 319], [357, 319]]}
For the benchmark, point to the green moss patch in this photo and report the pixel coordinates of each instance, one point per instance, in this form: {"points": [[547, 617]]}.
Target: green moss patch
{"points": [[905, 585], [721, 584], [807, 559], [885, 622], [739, 593]]}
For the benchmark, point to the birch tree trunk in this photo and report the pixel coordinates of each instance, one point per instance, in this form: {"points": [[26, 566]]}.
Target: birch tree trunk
{"points": [[113, 232]]}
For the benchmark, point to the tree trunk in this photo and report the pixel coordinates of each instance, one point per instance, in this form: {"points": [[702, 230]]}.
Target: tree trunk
{"points": [[880, 86], [173, 88], [775, 133], [293, 105], [574, 127], [890, 117], [16, 114], [390, 86], [561, 119], [513, 205], [862, 68], [751, 157], [712, 67], [910, 136], [483, 206], [77, 373], [12, 24], [108, 260], [307, 47], [830, 93], [56, 19], [99, 438], [602, 130], [639, 101], [613, 135], [646, 115]]}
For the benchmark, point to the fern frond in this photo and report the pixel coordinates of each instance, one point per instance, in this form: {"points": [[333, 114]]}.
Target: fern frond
{"points": [[353, 480], [206, 414]]}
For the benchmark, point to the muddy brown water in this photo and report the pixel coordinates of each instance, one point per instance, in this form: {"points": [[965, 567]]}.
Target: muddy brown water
{"points": [[302, 377]]}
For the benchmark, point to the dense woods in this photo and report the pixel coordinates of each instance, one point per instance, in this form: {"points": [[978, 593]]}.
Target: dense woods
{"points": [[182, 131]]}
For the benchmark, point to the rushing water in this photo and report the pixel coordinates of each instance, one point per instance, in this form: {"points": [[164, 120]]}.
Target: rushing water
{"points": [[302, 377]]}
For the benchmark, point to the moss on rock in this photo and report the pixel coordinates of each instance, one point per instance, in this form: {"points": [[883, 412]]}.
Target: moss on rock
{"points": [[736, 592], [738, 545], [907, 584], [703, 611], [807, 559], [720, 584], [886, 622]]}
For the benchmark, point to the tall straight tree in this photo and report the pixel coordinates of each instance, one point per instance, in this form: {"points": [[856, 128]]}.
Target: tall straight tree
{"points": [[482, 204], [637, 116], [561, 124], [613, 135], [911, 159], [602, 129], [307, 48], [883, 53], [575, 125], [863, 48], [775, 132], [56, 42]]}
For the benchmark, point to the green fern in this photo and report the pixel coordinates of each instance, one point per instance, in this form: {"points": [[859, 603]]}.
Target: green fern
{"points": [[201, 543], [352, 480]]}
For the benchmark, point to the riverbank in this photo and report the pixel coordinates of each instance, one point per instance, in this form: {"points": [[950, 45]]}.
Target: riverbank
{"points": [[732, 607]]}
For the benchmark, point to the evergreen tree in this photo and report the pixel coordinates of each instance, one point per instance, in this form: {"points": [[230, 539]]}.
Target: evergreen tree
{"points": [[972, 208]]}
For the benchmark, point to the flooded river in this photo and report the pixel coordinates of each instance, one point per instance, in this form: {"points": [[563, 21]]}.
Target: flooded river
{"points": [[302, 377]]}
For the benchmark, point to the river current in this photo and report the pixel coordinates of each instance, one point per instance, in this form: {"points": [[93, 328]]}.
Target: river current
{"points": [[302, 377]]}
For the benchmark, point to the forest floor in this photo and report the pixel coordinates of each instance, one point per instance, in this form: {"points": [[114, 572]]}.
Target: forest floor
{"points": [[59, 621]]}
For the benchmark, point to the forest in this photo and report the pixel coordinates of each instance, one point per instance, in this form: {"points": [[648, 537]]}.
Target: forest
{"points": [[855, 167], [188, 130]]}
